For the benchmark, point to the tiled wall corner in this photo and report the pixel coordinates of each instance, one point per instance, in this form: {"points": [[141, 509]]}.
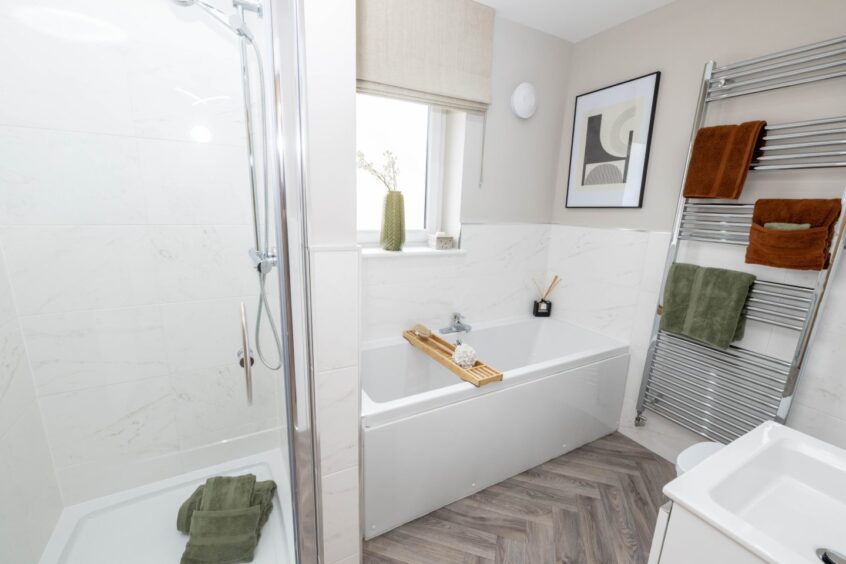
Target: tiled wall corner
{"points": [[611, 280], [29, 491], [334, 283], [610, 284], [330, 86]]}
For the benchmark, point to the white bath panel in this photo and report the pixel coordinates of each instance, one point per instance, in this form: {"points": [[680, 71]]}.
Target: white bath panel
{"points": [[431, 439], [138, 526]]}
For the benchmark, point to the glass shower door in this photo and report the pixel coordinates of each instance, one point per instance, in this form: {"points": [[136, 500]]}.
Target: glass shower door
{"points": [[139, 194]]}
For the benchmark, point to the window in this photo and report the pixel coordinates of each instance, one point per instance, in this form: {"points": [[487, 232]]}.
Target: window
{"points": [[414, 133]]}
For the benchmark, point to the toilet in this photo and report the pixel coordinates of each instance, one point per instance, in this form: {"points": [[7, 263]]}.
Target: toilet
{"points": [[694, 454]]}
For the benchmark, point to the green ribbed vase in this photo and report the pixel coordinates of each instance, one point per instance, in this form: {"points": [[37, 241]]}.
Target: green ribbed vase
{"points": [[392, 237]]}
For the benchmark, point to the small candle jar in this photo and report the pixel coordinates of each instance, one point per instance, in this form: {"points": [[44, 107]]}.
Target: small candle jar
{"points": [[543, 308]]}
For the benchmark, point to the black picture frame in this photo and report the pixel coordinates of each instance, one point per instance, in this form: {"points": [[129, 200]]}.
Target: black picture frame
{"points": [[595, 164]]}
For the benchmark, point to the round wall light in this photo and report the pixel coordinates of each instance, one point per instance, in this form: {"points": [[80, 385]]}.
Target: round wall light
{"points": [[524, 100]]}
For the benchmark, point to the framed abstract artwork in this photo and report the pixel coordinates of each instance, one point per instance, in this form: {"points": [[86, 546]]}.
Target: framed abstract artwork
{"points": [[612, 131]]}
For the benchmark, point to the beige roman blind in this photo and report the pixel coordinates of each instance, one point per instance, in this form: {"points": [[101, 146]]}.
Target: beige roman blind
{"points": [[432, 51]]}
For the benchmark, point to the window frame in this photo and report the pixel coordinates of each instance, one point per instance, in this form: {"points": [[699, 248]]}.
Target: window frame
{"points": [[435, 155]]}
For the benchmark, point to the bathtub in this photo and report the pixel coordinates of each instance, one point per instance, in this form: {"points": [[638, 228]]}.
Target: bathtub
{"points": [[430, 439]]}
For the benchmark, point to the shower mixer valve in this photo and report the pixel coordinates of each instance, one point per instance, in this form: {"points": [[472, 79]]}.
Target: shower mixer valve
{"points": [[264, 261]]}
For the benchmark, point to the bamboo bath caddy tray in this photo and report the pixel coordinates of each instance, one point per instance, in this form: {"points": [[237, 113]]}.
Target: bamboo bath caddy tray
{"points": [[441, 351]]}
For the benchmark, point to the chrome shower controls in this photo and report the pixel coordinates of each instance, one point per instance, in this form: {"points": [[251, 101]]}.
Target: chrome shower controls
{"points": [[263, 261]]}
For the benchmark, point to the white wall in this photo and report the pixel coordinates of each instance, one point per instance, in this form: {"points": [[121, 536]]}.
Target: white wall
{"points": [[126, 239], [520, 156], [677, 40], [30, 502], [330, 184]]}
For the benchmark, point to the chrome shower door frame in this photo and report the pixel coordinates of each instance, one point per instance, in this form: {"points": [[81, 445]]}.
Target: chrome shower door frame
{"points": [[287, 161]]}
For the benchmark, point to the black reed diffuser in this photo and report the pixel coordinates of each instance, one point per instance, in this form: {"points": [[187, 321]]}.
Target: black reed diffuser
{"points": [[543, 307]]}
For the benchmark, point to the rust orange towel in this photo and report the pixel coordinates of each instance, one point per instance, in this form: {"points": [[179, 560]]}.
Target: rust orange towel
{"points": [[720, 160], [806, 249]]}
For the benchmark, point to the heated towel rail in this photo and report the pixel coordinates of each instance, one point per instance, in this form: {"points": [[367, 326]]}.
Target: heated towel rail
{"points": [[722, 394]]}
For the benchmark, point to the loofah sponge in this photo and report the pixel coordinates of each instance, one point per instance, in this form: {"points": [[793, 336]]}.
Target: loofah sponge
{"points": [[464, 356]]}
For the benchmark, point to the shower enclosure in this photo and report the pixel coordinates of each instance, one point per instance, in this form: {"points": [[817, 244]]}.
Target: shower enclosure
{"points": [[153, 304]]}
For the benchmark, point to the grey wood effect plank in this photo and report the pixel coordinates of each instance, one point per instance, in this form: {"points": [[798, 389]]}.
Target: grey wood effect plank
{"points": [[597, 504]]}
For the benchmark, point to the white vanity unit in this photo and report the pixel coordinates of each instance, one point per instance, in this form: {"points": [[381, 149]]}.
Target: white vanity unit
{"points": [[773, 495]]}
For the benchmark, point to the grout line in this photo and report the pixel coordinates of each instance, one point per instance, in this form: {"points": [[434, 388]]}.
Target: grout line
{"points": [[4, 125]]}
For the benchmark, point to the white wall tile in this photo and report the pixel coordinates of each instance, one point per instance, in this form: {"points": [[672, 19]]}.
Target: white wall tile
{"points": [[30, 501], [334, 286], [28, 465], [25, 462], [7, 304], [338, 411], [126, 421], [600, 272], [89, 179], [196, 262], [73, 351], [29, 84], [194, 183], [174, 90], [16, 390], [203, 334], [341, 531], [85, 481], [492, 280], [824, 425], [211, 404], [329, 31], [57, 269]]}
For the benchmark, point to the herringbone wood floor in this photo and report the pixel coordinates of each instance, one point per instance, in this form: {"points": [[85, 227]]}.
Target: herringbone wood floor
{"points": [[594, 505]]}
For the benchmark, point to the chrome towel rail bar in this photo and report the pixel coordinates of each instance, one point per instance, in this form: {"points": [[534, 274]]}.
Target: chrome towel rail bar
{"points": [[722, 394], [812, 63], [779, 55]]}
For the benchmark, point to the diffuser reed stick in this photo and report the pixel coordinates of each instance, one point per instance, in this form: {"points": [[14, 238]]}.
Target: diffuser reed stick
{"points": [[551, 287]]}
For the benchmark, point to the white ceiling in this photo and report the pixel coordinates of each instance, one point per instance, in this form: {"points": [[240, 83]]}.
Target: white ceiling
{"points": [[572, 20]]}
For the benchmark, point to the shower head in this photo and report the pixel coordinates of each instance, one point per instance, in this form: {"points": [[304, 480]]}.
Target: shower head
{"points": [[185, 2]]}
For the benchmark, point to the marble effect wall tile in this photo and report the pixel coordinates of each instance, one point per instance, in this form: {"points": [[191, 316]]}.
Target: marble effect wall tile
{"points": [[341, 515], [492, 280], [337, 407], [91, 179], [601, 272], [17, 394], [118, 422], [78, 350], [194, 183], [29, 492], [211, 404], [57, 269]]}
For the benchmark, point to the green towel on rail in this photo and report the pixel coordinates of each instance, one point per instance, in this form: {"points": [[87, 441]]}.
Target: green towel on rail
{"points": [[224, 518], [705, 304]]}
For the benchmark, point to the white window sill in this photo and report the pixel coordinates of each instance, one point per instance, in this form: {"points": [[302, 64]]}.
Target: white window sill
{"points": [[409, 251]]}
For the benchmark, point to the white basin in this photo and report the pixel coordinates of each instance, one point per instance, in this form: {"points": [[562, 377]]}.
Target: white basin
{"points": [[778, 492]]}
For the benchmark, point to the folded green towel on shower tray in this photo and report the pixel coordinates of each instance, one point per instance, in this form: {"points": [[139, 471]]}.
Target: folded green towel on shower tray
{"points": [[706, 304], [262, 496], [224, 518]]}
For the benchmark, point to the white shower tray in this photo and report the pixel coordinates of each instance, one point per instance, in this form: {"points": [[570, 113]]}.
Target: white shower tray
{"points": [[138, 526]]}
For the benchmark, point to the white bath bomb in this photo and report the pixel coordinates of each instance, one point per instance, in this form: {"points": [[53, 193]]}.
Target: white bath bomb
{"points": [[464, 356]]}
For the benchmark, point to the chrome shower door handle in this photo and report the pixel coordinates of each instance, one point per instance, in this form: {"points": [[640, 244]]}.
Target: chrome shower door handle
{"points": [[245, 355]]}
